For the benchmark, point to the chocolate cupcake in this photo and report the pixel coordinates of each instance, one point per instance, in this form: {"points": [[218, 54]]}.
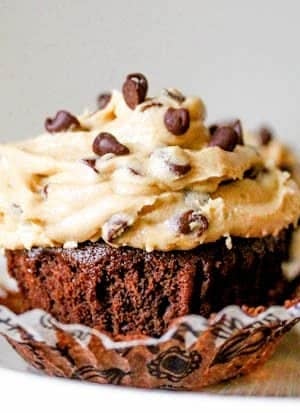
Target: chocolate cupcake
{"points": [[128, 217]]}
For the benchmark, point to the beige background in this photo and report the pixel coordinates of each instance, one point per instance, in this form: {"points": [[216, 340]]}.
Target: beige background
{"points": [[242, 57]]}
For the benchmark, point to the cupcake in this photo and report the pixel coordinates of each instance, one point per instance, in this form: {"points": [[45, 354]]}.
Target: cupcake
{"points": [[126, 218]]}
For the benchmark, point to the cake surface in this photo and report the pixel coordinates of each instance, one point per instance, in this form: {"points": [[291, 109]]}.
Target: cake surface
{"points": [[129, 291]]}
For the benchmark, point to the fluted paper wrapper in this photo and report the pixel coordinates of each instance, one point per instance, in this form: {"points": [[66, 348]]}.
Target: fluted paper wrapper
{"points": [[192, 354]]}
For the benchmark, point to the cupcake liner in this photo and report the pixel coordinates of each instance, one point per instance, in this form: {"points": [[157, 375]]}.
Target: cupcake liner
{"points": [[193, 353]]}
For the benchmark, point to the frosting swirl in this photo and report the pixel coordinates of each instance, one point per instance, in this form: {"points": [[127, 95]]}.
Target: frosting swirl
{"points": [[164, 191], [275, 154]]}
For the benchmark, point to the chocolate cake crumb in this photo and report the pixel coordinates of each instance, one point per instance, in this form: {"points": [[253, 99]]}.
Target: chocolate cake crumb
{"points": [[129, 291]]}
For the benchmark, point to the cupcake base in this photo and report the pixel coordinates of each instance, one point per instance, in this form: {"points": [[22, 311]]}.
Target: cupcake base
{"points": [[127, 291]]}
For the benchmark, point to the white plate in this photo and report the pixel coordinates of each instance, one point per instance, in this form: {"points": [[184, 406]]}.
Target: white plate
{"points": [[47, 394]]}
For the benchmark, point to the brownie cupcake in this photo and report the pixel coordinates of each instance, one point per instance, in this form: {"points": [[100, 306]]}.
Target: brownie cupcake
{"points": [[128, 217]]}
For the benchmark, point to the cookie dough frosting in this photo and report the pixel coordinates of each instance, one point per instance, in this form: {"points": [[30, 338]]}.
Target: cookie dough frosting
{"points": [[273, 151], [143, 172]]}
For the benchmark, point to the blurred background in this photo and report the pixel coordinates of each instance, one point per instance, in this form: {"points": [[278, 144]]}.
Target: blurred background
{"points": [[241, 57]]}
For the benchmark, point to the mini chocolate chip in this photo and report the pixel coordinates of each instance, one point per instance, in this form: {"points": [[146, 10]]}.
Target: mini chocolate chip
{"points": [[134, 171], [45, 190], [192, 220], [251, 173], [91, 163], [177, 121], [115, 228], [225, 137], [107, 143], [227, 182], [265, 135], [212, 128], [254, 172], [178, 169], [151, 105], [286, 168], [103, 100], [135, 89], [62, 121], [175, 95], [235, 125]]}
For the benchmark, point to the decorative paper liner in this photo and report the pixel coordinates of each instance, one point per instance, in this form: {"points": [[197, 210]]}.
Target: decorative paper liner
{"points": [[192, 354]]}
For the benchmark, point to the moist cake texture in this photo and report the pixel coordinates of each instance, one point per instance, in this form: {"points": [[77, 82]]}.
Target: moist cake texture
{"points": [[128, 290]]}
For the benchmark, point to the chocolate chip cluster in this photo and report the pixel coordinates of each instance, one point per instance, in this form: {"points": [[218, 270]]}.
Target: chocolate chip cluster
{"points": [[134, 89], [168, 163], [177, 121]]}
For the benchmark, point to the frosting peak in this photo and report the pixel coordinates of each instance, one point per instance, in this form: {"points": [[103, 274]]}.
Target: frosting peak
{"points": [[142, 172], [143, 128]]}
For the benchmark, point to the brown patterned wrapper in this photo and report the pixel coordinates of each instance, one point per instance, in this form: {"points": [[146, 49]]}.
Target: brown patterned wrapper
{"points": [[192, 354]]}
